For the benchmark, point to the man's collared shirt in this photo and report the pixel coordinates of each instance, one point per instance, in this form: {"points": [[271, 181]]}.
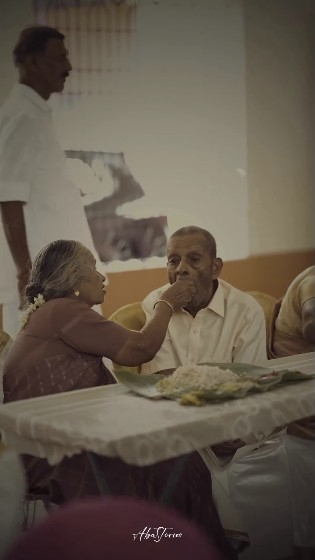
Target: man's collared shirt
{"points": [[230, 329]]}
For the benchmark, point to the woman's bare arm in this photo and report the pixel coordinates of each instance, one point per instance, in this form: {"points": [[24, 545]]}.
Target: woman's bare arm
{"points": [[141, 346]]}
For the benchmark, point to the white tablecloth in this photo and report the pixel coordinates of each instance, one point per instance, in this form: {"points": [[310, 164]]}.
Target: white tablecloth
{"points": [[113, 421]]}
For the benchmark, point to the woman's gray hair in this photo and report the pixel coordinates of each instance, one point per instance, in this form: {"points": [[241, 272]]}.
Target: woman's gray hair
{"points": [[57, 270]]}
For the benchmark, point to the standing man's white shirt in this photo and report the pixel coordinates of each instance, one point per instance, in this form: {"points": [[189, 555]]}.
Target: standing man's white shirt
{"points": [[33, 171], [230, 329]]}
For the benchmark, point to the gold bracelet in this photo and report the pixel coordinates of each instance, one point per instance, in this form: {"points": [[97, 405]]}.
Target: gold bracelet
{"points": [[167, 303]]}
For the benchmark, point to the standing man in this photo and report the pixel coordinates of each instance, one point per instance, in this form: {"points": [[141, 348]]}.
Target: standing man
{"points": [[39, 203]]}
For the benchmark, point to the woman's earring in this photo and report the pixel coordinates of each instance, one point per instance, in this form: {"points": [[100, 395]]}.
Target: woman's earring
{"points": [[77, 293]]}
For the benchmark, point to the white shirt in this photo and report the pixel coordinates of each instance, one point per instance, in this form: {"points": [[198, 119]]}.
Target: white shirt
{"points": [[33, 171], [230, 329]]}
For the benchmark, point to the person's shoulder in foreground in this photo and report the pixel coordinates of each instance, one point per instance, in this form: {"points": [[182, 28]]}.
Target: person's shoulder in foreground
{"points": [[122, 526], [220, 323], [293, 324], [301, 289], [293, 332]]}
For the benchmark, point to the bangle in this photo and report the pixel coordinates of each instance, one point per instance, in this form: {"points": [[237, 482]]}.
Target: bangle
{"points": [[167, 303]]}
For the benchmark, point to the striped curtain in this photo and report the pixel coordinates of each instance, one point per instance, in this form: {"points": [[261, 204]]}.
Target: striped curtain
{"points": [[98, 36]]}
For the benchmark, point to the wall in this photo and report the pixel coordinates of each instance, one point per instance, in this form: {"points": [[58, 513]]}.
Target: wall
{"points": [[15, 14], [280, 82], [174, 105], [279, 45], [280, 72]]}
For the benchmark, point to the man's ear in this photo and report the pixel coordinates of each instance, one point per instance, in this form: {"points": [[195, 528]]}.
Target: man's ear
{"points": [[30, 62], [217, 267]]}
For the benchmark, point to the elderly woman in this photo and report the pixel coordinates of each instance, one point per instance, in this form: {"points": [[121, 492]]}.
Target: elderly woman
{"points": [[60, 348], [63, 335]]}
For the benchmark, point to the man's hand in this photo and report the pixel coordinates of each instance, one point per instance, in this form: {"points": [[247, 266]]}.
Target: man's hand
{"points": [[14, 228], [179, 293]]}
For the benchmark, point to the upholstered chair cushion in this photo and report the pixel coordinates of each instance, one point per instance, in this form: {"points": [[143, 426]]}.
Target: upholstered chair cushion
{"points": [[132, 317]]}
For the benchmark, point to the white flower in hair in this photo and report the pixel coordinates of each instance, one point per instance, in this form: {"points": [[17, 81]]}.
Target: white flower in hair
{"points": [[38, 301]]}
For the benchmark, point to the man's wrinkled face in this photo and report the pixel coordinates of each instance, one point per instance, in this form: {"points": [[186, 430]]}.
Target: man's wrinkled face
{"points": [[53, 66], [188, 256]]}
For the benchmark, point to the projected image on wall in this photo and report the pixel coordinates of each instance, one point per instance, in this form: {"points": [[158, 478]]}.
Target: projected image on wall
{"points": [[106, 184]]}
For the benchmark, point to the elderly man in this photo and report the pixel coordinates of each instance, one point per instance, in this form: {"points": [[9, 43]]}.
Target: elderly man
{"points": [[220, 324], [39, 203]]}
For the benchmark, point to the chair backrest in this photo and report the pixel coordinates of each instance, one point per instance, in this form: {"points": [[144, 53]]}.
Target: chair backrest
{"points": [[132, 317], [4, 339]]}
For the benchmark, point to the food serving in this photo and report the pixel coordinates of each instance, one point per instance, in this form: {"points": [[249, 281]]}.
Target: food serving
{"points": [[195, 384], [197, 377], [202, 383]]}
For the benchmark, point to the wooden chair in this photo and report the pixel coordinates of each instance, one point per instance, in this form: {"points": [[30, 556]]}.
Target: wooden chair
{"points": [[132, 317]]}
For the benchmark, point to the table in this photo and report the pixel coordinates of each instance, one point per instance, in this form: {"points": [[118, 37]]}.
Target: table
{"points": [[112, 421]]}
